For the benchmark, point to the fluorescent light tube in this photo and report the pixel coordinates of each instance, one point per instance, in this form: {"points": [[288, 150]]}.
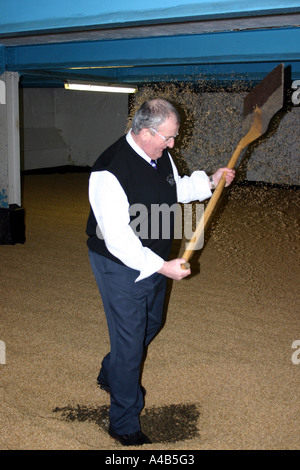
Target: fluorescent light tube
{"points": [[101, 88]]}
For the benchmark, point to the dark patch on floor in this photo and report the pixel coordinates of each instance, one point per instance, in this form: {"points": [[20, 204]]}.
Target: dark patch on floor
{"points": [[170, 423]]}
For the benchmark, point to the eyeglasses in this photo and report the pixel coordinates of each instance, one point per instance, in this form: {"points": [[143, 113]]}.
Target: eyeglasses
{"points": [[166, 139]]}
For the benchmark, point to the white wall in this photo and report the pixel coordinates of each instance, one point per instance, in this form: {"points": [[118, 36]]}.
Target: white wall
{"points": [[63, 127]]}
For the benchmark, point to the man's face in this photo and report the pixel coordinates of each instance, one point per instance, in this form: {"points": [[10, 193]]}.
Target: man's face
{"points": [[154, 144]]}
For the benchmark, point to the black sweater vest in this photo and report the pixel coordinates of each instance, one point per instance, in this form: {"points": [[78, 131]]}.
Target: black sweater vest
{"points": [[150, 193]]}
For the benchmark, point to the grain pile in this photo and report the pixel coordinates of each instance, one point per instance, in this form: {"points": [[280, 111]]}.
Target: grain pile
{"points": [[222, 363], [212, 126], [219, 375]]}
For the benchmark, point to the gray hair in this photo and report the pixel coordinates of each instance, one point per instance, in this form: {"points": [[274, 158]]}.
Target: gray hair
{"points": [[153, 113]]}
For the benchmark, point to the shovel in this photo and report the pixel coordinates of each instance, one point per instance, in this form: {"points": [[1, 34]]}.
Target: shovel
{"points": [[260, 105]]}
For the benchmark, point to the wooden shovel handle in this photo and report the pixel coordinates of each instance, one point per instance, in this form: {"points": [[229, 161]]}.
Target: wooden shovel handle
{"points": [[209, 209]]}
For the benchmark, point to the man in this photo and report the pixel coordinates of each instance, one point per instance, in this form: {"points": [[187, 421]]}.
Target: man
{"points": [[131, 267]]}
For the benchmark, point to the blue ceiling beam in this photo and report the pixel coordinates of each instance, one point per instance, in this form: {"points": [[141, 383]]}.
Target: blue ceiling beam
{"points": [[40, 17], [266, 45], [249, 73]]}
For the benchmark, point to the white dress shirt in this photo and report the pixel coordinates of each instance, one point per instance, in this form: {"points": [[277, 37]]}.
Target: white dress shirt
{"points": [[111, 209]]}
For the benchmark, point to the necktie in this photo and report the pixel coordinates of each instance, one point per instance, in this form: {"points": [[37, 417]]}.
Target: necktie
{"points": [[153, 163]]}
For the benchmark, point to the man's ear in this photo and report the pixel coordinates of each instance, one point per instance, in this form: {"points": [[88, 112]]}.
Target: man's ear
{"points": [[145, 133]]}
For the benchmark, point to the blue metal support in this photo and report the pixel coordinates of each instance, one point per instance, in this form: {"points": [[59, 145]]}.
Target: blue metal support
{"points": [[141, 59], [226, 47], [40, 17], [222, 74]]}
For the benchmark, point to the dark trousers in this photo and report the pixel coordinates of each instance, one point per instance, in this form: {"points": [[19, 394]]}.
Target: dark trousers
{"points": [[134, 315]]}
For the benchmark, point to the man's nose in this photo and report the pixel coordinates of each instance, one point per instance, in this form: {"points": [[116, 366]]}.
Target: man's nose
{"points": [[171, 143]]}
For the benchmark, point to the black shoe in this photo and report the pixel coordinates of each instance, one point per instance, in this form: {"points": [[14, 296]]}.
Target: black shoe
{"points": [[107, 389], [135, 439]]}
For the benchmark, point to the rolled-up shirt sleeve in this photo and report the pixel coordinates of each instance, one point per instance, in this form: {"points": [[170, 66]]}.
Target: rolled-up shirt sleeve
{"points": [[111, 209]]}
